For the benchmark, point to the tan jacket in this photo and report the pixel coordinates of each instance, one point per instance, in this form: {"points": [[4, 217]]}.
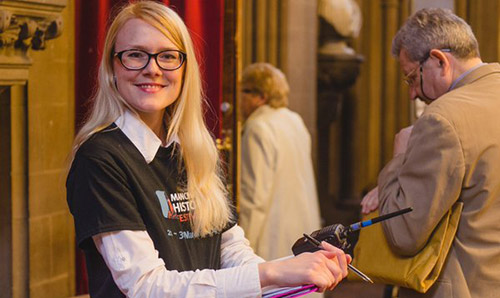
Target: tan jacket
{"points": [[453, 154]]}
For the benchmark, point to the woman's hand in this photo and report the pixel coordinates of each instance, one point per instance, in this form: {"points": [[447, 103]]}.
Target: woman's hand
{"points": [[324, 268], [370, 201]]}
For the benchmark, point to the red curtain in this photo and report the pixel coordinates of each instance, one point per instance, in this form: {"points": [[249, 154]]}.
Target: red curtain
{"points": [[205, 21]]}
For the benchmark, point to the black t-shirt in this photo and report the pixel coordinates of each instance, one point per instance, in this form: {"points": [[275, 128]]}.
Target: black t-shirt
{"points": [[110, 187]]}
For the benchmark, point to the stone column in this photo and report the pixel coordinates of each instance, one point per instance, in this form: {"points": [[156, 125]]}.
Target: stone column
{"points": [[338, 69], [36, 128], [337, 74]]}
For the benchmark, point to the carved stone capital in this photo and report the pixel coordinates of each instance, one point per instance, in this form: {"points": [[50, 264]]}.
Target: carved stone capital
{"points": [[338, 72], [28, 24]]}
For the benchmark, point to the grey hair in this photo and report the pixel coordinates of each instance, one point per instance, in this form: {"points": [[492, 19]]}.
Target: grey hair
{"points": [[268, 81], [435, 28]]}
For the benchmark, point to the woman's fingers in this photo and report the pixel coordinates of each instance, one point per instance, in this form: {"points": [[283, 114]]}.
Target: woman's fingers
{"points": [[324, 268], [336, 264], [341, 258]]}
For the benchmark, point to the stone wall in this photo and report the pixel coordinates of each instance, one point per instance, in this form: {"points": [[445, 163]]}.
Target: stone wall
{"points": [[37, 85]]}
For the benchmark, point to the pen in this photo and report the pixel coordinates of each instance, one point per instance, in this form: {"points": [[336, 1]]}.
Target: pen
{"points": [[354, 269], [369, 222]]}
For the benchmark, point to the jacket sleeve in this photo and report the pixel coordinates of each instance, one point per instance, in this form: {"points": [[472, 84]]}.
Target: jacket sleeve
{"points": [[427, 177], [258, 159]]}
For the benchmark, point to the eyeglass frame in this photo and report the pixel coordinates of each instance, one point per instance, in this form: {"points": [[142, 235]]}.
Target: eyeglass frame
{"points": [[155, 56], [250, 91], [420, 67]]}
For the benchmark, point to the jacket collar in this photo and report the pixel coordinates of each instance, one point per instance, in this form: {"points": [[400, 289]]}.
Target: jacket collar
{"points": [[263, 109], [143, 138]]}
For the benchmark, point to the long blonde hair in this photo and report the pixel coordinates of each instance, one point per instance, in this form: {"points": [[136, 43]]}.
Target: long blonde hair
{"points": [[212, 210]]}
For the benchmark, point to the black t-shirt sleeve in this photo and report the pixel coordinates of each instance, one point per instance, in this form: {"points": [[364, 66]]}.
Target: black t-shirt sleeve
{"points": [[100, 199]]}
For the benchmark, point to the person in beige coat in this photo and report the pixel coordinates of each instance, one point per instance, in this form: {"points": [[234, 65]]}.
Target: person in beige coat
{"points": [[279, 201], [451, 154]]}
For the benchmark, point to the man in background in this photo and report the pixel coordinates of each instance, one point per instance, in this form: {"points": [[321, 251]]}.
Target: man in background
{"points": [[278, 191]]}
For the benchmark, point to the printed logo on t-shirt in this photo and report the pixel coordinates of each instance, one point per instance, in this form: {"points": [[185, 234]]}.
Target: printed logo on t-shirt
{"points": [[176, 206]]}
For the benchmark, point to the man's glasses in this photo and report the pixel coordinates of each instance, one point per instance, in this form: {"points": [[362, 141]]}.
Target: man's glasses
{"points": [[410, 78], [139, 59]]}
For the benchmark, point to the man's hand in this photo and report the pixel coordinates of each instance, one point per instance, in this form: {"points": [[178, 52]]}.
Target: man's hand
{"points": [[370, 201], [401, 140]]}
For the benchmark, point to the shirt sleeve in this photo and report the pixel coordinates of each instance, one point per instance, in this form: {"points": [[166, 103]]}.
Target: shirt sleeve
{"points": [[139, 272], [258, 157], [100, 199], [428, 177], [236, 250]]}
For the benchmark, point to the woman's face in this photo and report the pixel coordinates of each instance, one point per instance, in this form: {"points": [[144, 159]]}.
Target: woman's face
{"points": [[150, 90]]}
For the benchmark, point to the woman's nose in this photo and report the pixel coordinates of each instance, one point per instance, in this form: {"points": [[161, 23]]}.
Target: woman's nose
{"points": [[152, 68]]}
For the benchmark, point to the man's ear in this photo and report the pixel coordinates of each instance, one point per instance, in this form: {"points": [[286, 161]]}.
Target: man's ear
{"points": [[442, 59]]}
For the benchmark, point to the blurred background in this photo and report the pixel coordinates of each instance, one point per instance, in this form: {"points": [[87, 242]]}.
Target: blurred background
{"points": [[335, 53]]}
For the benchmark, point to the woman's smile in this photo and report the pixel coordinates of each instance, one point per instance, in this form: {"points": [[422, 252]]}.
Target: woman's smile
{"points": [[150, 87]]}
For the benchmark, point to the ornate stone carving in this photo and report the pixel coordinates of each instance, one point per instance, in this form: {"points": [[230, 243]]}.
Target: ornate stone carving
{"points": [[340, 20], [28, 24]]}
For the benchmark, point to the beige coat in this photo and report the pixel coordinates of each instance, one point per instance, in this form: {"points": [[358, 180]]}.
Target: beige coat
{"points": [[453, 154], [279, 201]]}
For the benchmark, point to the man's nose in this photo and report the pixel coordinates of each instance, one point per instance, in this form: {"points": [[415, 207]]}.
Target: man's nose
{"points": [[413, 92]]}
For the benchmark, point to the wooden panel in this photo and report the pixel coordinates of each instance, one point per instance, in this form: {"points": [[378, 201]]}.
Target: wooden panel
{"points": [[483, 17], [368, 92], [5, 194], [229, 136], [382, 106]]}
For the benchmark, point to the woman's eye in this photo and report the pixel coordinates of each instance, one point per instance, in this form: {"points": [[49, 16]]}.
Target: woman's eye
{"points": [[135, 55], [168, 56]]}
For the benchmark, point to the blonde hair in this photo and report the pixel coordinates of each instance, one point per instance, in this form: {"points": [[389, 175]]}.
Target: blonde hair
{"points": [[212, 211], [267, 81]]}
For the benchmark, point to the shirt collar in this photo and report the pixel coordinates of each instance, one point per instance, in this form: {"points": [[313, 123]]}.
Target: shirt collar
{"points": [[454, 84], [143, 138]]}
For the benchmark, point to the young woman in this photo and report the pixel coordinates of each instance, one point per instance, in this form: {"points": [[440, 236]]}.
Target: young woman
{"points": [[150, 209]]}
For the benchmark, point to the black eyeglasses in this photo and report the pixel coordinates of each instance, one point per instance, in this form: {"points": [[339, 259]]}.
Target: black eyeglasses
{"points": [[138, 59]]}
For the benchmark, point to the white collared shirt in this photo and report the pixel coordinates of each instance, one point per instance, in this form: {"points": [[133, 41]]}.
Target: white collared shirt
{"points": [[136, 267], [143, 138]]}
